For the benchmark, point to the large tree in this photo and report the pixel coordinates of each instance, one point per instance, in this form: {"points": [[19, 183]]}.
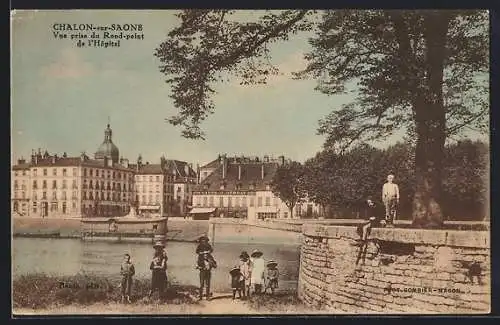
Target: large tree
{"points": [[287, 184], [423, 71]]}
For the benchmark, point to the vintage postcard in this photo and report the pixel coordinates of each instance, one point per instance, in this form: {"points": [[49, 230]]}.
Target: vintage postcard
{"points": [[245, 162]]}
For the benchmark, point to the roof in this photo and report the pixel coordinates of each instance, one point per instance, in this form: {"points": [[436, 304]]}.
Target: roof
{"points": [[150, 169], [21, 166], [251, 174], [213, 164], [69, 162]]}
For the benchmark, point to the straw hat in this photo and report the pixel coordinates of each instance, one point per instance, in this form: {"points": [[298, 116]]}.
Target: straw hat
{"points": [[234, 270], [158, 244], [271, 262], [204, 237], [256, 253]]}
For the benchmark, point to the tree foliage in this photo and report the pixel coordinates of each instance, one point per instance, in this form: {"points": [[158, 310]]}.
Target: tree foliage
{"points": [[342, 182], [288, 184], [421, 71]]}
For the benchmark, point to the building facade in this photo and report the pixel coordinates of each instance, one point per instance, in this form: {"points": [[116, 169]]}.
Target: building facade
{"points": [[61, 186], [240, 187]]}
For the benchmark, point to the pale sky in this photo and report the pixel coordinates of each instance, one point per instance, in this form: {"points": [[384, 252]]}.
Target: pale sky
{"points": [[62, 96]]}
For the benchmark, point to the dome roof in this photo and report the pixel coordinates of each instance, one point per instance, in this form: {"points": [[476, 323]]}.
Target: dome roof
{"points": [[108, 148]]}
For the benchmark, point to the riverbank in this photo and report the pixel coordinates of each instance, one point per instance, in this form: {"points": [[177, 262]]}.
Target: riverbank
{"points": [[44, 295], [178, 230]]}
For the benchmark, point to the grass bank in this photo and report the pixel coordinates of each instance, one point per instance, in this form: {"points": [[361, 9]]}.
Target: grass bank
{"points": [[41, 294]]}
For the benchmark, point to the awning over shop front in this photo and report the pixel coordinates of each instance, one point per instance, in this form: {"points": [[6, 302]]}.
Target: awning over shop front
{"points": [[149, 207], [201, 210]]}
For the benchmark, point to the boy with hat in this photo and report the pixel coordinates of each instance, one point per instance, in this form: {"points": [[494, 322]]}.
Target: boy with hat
{"points": [[158, 268], [236, 281], [245, 270], [127, 271], [205, 265], [272, 276], [257, 272]]}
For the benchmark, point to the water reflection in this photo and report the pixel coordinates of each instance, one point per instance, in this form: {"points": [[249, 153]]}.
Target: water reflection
{"points": [[72, 256]]}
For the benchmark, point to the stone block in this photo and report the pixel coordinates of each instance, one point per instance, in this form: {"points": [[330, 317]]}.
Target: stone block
{"points": [[443, 276]]}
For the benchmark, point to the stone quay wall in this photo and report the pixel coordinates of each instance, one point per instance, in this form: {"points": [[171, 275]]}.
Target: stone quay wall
{"points": [[399, 271]]}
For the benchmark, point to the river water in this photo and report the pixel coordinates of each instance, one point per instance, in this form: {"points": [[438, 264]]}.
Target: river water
{"points": [[73, 256]]}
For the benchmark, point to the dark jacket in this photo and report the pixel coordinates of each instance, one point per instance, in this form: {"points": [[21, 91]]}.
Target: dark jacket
{"points": [[204, 247]]}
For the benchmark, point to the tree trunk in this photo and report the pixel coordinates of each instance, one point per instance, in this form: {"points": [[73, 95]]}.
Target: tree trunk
{"points": [[430, 121], [291, 211]]}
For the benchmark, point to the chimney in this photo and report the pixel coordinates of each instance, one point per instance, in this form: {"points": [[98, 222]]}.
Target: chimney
{"points": [[266, 158], [54, 159], [224, 166], [65, 155], [125, 163], [197, 173], [239, 171], [186, 169], [262, 171]]}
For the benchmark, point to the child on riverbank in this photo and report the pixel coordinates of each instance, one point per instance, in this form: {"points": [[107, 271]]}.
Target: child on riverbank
{"points": [[236, 283], [127, 271], [272, 276], [245, 270]]}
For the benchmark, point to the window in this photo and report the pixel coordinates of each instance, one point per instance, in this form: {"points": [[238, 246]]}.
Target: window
{"points": [[285, 215], [114, 174], [64, 207], [221, 201], [44, 172], [64, 172], [35, 196], [150, 178], [16, 173], [85, 172], [64, 185], [34, 172], [53, 206], [73, 185], [259, 201], [143, 198], [44, 184], [178, 189], [74, 171], [74, 195], [54, 195], [157, 188], [15, 185], [34, 207], [205, 201], [157, 199], [54, 184], [97, 173], [252, 201], [229, 201], [91, 172], [35, 185], [84, 195], [268, 201], [23, 194], [24, 173], [73, 205], [157, 178], [54, 171], [44, 195]]}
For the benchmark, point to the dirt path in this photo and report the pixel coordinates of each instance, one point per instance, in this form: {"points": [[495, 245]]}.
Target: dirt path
{"points": [[220, 304]]}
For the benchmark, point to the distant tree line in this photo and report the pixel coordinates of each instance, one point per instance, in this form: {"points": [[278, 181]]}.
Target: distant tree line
{"points": [[341, 182]]}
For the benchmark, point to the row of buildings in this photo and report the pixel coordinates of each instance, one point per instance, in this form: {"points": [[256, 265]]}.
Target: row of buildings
{"points": [[109, 185]]}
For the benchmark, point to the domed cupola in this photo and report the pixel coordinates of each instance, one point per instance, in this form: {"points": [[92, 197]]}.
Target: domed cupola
{"points": [[108, 149]]}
